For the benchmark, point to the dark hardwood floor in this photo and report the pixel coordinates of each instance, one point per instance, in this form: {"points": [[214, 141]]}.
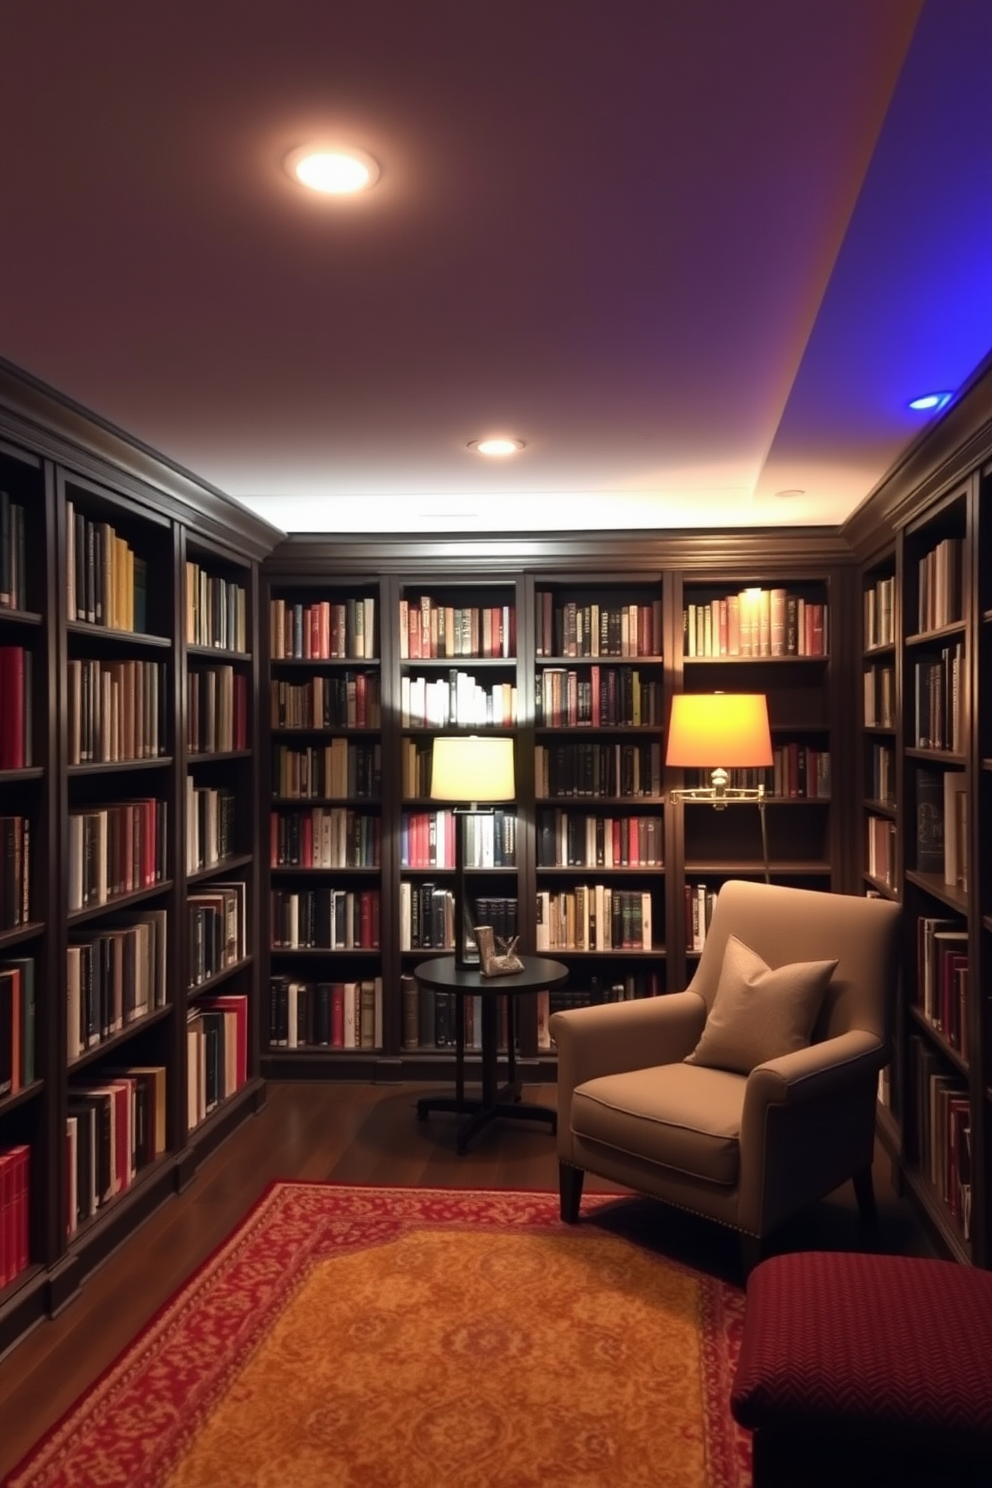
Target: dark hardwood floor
{"points": [[362, 1134]]}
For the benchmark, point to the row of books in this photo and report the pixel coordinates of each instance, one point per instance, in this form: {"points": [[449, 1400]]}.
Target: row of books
{"points": [[339, 768], [942, 978], [600, 697], [943, 1114], [882, 782], [699, 902], [325, 630], [756, 623], [434, 631], [106, 581], [880, 697], [15, 1212], [594, 917], [210, 831], [942, 825], [937, 692], [216, 610], [15, 871], [940, 585], [216, 1053], [880, 613], [416, 766], [572, 628], [328, 1015], [797, 771], [115, 850], [628, 987], [113, 979], [17, 1024], [324, 837], [881, 851], [216, 926], [116, 1126], [13, 567], [116, 710], [572, 839], [429, 1018], [352, 701], [457, 700], [428, 839], [16, 708], [427, 916], [216, 710], [592, 768], [326, 919]]}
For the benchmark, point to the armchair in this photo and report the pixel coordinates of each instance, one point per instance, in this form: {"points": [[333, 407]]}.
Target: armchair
{"points": [[748, 1146]]}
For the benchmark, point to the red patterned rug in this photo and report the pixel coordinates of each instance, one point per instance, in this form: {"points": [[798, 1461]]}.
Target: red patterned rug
{"points": [[417, 1338]]}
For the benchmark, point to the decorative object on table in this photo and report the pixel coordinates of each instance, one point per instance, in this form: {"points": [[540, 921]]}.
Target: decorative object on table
{"points": [[470, 769], [493, 963], [717, 730]]}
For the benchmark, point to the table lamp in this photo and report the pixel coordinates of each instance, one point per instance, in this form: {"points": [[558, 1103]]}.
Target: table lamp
{"points": [[721, 731], [473, 772]]}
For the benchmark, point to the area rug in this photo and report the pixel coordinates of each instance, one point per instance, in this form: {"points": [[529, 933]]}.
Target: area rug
{"points": [[417, 1338]]}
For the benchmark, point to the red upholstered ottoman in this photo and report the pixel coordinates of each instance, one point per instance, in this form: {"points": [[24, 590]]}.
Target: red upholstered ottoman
{"points": [[858, 1369]]}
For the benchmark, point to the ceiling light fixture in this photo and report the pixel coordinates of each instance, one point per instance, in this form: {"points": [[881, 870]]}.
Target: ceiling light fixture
{"points": [[929, 402], [496, 446], [791, 491], [332, 170]]}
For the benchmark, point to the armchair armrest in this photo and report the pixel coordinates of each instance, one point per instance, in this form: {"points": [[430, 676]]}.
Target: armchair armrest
{"points": [[618, 1036], [814, 1073], [808, 1124]]}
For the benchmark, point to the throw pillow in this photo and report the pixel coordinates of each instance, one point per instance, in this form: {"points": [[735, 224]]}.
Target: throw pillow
{"points": [[759, 1013]]}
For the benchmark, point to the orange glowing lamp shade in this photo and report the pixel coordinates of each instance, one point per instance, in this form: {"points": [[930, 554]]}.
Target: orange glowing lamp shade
{"points": [[727, 730]]}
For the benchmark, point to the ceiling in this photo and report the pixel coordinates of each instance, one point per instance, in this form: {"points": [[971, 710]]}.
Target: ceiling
{"points": [[696, 253]]}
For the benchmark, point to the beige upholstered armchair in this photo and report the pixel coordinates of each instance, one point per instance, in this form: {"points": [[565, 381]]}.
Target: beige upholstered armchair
{"points": [[752, 1093]]}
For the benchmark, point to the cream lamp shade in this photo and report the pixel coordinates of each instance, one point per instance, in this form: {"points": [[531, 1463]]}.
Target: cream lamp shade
{"points": [[725, 729], [468, 767]]}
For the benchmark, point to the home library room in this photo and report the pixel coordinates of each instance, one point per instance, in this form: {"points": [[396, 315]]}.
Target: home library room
{"points": [[240, 751]]}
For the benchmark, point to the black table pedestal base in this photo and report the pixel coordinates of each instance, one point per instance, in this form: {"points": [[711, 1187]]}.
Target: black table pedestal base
{"points": [[481, 1112]]}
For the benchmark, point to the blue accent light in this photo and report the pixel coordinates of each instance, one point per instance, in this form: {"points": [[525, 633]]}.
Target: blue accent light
{"points": [[931, 401]]}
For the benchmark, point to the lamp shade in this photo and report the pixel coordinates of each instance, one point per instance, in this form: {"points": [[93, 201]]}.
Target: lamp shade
{"points": [[467, 767], [728, 729]]}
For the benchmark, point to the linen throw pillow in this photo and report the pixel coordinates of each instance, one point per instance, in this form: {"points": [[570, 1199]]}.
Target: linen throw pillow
{"points": [[759, 1013]]}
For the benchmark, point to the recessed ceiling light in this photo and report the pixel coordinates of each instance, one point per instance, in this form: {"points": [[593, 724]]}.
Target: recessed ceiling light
{"points": [[498, 445], [930, 401], [790, 492], [331, 170]]}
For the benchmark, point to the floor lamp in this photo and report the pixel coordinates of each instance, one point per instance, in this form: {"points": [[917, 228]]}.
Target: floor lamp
{"points": [[721, 731], [473, 772]]}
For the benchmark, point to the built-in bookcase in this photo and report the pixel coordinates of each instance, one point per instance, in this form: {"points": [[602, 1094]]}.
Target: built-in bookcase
{"points": [[115, 691], [456, 643], [324, 837], [770, 634], [220, 781], [937, 642], [933, 797], [600, 705], [120, 822], [27, 881]]}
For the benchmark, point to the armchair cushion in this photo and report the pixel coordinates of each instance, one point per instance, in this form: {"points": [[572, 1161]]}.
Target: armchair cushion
{"points": [[667, 1115], [759, 1013]]}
